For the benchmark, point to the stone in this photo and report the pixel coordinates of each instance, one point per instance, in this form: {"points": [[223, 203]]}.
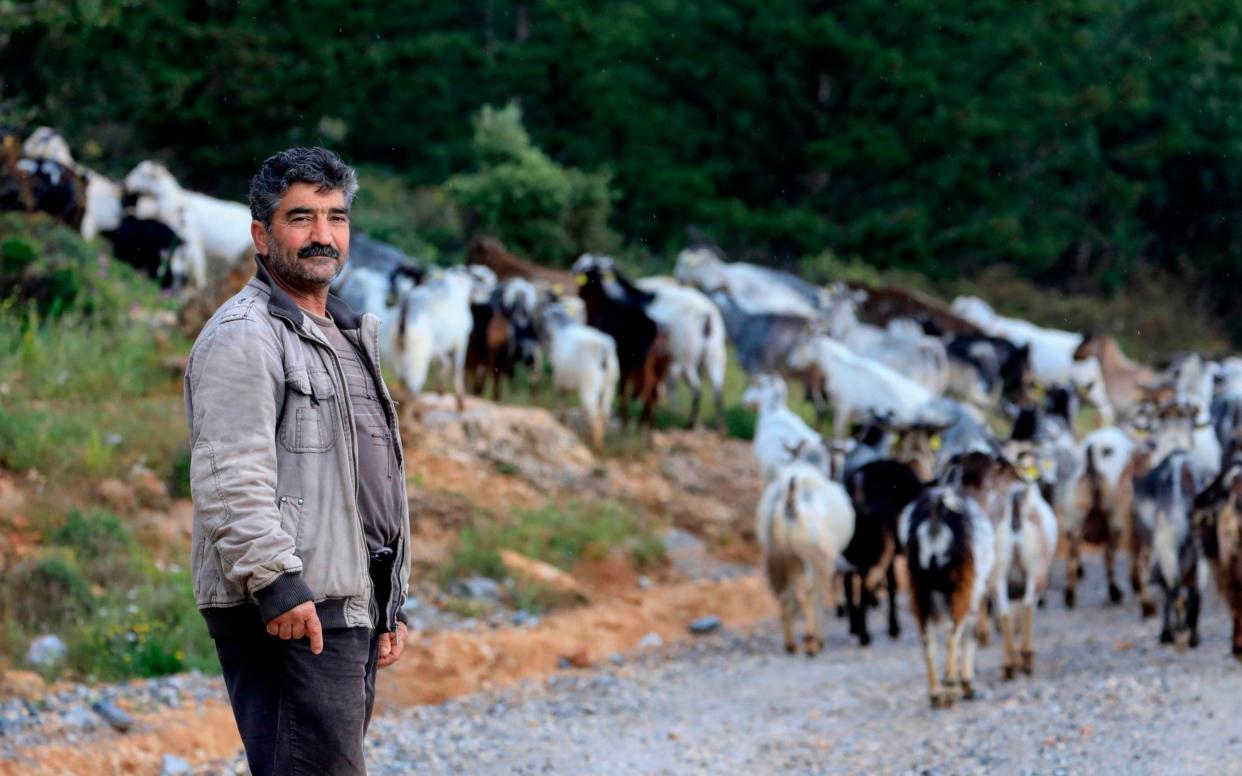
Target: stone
{"points": [[46, 651], [172, 765], [705, 625]]}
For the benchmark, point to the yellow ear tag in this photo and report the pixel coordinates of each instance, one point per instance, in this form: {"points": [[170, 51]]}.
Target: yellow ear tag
{"points": [[558, 289], [1032, 472], [1038, 391], [582, 278], [935, 443]]}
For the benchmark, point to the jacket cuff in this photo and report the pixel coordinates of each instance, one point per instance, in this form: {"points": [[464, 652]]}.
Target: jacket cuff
{"points": [[282, 595], [402, 617]]}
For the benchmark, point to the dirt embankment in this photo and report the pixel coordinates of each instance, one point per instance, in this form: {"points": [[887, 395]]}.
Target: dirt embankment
{"points": [[492, 459]]}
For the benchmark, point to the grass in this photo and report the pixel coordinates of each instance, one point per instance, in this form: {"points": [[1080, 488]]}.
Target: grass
{"points": [[560, 534], [119, 614]]}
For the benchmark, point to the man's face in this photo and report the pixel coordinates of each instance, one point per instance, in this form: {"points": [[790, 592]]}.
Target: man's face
{"points": [[308, 242]]}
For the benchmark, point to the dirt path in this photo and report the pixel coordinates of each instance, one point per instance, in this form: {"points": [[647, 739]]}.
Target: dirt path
{"points": [[1106, 698]]}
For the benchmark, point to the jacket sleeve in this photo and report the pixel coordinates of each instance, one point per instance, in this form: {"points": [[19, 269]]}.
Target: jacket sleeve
{"points": [[235, 387]]}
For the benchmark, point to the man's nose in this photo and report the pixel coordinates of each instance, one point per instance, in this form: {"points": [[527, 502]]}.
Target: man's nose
{"points": [[322, 231]]}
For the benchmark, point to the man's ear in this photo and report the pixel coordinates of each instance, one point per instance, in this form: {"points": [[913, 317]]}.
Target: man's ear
{"points": [[258, 233]]}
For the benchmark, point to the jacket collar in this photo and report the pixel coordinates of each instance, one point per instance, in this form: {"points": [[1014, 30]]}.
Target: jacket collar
{"points": [[282, 305]]}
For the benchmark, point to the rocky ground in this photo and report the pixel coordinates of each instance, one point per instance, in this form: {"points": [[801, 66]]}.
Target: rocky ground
{"points": [[622, 686], [1106, 698]]}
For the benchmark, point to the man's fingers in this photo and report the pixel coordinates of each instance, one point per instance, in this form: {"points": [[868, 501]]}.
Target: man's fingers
{"points": [[286, 630], [385, 644], [273, 629], [315, 631], [299, 629]]}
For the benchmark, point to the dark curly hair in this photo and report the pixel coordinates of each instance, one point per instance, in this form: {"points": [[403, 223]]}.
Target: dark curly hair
{"points": [[317, 166]]}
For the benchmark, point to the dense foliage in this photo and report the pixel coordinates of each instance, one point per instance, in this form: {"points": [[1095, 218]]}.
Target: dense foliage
{"points": [[1071, 139]]}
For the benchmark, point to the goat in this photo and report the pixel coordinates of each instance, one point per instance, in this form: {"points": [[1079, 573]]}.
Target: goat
{"points": [[583, 360], [102, 210], [804, 521], [1026, 541], [858, 385], [983, 369], [696, 340], [216, 232], [642, 349], [434, 323], [1126, 382], [1163, 502], [1096, 503], [756, 290], [950, 551], [1051, 352], [777, 429], [503, 335], [879, 491], [1218, 511]]}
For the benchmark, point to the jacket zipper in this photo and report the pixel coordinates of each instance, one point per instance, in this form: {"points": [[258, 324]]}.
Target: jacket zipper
{"points": [[353, 448]]}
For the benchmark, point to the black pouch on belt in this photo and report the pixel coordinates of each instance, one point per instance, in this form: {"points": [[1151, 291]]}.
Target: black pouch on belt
{"points": [[381, 581]]}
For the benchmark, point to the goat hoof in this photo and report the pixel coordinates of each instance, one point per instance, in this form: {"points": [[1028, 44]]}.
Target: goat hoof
{"points": [[1114, 593], [1082, 571], [1009, 672], [841, 612], [864, 639], [1194, 640], [942, 699], [1149, 610], [791, 647], [1028, 662], [1042, 600], [1237, 652], [984, 639], [894, 631], [812, 645], [1166, 636], [1069, 599], [969, 693]]}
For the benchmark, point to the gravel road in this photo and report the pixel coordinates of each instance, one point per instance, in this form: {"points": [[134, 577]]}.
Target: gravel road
{"points": [[1105, 698]]}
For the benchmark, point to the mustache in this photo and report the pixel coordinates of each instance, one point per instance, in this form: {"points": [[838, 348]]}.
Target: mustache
{"points": [[319, 249]]}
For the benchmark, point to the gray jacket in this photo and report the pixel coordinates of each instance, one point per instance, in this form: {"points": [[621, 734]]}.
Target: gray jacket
{"points": [[273, 467]]}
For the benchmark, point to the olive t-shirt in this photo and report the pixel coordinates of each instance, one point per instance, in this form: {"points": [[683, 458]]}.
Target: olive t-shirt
{"points": [[379, 484]]}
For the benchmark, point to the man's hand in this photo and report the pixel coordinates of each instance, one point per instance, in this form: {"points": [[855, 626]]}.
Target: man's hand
{"points": [[391, 645], [300, 621]]}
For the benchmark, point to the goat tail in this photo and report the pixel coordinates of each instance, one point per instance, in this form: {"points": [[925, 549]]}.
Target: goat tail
{"points": [[403, 311], [1015, 517], [791, 499], [707, 326]]}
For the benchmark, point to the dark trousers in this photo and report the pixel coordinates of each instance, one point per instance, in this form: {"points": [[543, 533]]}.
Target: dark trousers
{"points": [[300, 713]]}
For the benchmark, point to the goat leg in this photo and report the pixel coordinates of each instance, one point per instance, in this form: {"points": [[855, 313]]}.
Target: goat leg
{"points": [[1072, 562], [894, 627], [1028, 648], [1009, 662], [1110, 554]]}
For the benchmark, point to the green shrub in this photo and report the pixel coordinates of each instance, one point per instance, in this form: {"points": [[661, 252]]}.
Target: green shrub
{"points": [[537, 207]]}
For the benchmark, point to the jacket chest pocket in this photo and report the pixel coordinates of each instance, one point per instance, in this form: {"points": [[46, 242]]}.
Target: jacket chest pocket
{"points": [[291, 516], [310, 423]]}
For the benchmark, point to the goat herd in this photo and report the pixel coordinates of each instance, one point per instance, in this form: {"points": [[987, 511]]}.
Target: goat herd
{"points": [[912, 468]]}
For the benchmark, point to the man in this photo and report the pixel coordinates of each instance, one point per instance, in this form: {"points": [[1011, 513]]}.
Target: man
{"points": [[297, 473]]}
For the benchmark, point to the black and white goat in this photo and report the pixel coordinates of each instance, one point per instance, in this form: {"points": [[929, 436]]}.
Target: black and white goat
{"points": [[950, 551]]}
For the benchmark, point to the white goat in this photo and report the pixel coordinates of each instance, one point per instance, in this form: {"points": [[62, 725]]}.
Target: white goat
{"points": [[215, 232], [696, 339], [1026, 541], [902, 346], [857, 386], [804, 522], [754, 289], [434, 323], [1052, 352], [778, 431], [1096, 504], [584, 360]]}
